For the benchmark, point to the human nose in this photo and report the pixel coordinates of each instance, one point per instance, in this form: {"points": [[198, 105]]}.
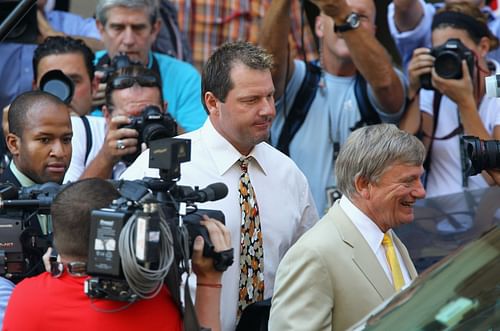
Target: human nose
{"points": [[58, 149], [128, 36], [419, 190], [268, 108]]}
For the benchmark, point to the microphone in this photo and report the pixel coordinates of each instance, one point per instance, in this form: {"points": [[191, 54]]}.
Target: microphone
{"points": [[212, 192]]}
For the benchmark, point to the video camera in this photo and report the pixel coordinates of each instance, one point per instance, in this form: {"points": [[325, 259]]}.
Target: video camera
{"points": [[151, 226], [448, 61], [152, 124], [22, 240]]}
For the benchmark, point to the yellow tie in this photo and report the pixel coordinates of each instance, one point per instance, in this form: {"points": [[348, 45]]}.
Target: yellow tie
{"points": [[390, 252]]}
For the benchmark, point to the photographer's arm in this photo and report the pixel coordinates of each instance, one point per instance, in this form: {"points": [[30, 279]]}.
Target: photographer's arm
{"points": [[376, 68], [461, 91], [407, 14], [102, 165], [208, 289], [274, 38], [46, 31]]}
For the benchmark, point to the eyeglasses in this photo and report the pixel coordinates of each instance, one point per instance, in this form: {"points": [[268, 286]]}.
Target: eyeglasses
{"points": [[75, 269], [123, 82]]}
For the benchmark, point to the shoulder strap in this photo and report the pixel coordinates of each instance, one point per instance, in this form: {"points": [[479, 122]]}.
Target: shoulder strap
{"points": [[88, 134], [369, 115], [300, 106], [436, 102]]}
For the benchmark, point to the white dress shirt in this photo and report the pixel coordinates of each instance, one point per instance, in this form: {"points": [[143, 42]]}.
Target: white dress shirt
{"points": [[285, 203], [373, 236]]}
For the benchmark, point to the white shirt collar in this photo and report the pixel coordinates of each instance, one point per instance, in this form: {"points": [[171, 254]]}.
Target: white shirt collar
{"points": [[368, 229], [225, 154]]}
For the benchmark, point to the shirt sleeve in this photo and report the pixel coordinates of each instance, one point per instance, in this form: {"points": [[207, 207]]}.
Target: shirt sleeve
{"points": [[407, 41]]}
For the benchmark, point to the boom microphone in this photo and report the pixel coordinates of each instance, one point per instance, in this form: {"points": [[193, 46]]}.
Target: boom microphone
{"points": [[212, 192]]}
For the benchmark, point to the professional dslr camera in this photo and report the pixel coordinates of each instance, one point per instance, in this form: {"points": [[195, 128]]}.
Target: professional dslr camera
{"points": [[480, 155], [22, 242], [121, 60], [448, 61], [152, 124], [150, 229]]}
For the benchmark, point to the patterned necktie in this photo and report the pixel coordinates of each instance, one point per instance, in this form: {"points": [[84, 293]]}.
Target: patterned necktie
{"points": [[390, 252], [251, 244]]}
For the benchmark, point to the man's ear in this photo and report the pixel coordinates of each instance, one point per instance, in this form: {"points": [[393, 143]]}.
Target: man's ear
{"points": [[106, 113], [155, 29], [211, 102], [362, 186], [99, 26], [13, 143], [318, 26]]}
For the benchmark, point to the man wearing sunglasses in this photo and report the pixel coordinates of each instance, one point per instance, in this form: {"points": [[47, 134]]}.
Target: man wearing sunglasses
{"points": [[130, 92], [131, 27]]}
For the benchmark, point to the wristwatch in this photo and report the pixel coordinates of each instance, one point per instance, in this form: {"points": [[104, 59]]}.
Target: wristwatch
{"points": [[352, 21]]}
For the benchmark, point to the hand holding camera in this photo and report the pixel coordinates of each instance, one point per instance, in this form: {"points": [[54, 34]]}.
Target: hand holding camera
{"points": [[447, 68]]}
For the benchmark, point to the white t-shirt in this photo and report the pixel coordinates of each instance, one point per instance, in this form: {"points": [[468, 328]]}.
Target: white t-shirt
{"points": [[79, 144], [445, 176]]}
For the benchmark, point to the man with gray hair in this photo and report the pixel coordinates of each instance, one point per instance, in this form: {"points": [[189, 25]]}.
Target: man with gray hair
{"points": [[347, 264], [130, 27]]}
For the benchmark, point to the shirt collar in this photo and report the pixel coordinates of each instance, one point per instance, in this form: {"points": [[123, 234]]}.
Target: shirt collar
{"points": [[24, 180], [368, 229], [225, 155]]}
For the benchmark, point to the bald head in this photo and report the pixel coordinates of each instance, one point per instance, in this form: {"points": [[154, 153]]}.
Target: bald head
{"points": [[25, 105]]}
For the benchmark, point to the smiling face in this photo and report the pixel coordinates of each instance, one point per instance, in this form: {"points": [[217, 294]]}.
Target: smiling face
{"points": [[245, 117], [128, 30], [43, 150], [389, 201]]}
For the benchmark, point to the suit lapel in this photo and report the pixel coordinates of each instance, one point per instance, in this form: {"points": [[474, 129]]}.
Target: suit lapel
{"points": [[362, 255]]}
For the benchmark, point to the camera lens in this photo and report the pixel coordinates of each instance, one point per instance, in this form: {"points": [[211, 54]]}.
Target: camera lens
{"points": [[448, 65], [481, 154]]}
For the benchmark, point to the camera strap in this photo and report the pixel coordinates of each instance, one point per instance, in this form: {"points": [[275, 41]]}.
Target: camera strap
{"points": [[436, 102], [88, 134]]}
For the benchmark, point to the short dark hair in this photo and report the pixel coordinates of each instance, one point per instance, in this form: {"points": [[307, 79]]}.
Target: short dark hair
{"points": [[71, 210], [216, 75], [20, 108], [63, 45], [134, 70]]}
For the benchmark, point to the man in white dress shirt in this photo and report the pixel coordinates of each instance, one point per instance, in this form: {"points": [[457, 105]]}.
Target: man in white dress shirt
{"points": [[238, 91], [343, 268]]}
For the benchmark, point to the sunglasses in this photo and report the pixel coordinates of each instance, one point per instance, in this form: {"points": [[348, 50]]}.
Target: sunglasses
{"points": [[123, 82]]}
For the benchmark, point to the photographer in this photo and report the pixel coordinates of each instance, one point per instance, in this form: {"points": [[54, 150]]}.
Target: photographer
{"points": [[456, 106], [68, 308], [130, 90]]}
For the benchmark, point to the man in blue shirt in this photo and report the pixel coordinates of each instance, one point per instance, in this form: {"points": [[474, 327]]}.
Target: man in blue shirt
{"points": [[131, 27]]}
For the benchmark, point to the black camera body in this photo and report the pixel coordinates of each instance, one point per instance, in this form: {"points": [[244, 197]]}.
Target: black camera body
{"points": [[22, 243], [480, 154], [120, 60], [448, 62], [152, 124]]}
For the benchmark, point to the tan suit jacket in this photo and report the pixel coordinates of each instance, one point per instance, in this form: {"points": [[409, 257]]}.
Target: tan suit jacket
{"points": [[330, 278]]}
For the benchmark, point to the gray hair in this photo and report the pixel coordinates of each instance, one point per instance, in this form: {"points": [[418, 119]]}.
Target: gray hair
{"points": [[370, 150], [152, 6]]}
